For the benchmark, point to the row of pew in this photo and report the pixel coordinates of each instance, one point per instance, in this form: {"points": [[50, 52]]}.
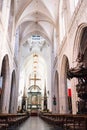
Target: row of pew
{"points": [[12, 120], [67, 122]]}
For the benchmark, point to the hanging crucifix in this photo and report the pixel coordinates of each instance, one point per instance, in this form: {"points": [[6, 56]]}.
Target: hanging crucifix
{"points": [[35, 79]]}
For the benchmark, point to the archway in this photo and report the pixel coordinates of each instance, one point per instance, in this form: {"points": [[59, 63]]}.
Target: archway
{"points": [[77, 42], [66, 103], [81, 59], [56, 84], [4, 100], [12, 93]]}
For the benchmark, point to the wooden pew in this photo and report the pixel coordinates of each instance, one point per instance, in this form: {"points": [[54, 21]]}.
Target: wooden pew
{"points": [[67, 121], [10, 120]]}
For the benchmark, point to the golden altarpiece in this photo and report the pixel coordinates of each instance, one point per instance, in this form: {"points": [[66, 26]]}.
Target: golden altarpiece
{"points": [[34, 98]]}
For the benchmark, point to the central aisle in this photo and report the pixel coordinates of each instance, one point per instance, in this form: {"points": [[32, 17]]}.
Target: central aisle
{"points": [[35, 123]]}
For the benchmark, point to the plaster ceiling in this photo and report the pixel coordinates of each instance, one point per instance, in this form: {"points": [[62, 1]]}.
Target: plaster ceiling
{"points": [[36, 17]]}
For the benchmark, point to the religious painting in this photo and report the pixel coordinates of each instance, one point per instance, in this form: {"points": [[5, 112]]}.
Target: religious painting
{"points": [[34, 100]]}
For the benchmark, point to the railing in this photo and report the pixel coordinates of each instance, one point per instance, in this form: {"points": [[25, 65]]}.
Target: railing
{"points": [[69, 121], [11, 120]]}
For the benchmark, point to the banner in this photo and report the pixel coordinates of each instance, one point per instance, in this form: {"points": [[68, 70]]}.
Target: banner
{"points": [[69, 92]]}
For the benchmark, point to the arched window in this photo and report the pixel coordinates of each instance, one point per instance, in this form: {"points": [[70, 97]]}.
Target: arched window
{"points": [[62, 20]]}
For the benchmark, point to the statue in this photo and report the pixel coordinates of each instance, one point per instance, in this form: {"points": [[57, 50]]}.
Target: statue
{"points": [[54, 100]]}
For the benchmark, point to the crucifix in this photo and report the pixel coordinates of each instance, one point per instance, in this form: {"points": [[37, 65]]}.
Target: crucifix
{"points": [[35, 79]]}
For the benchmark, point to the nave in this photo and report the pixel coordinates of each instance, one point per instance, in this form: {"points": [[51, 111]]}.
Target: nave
{"points": [[43, 64], [36, 123]]}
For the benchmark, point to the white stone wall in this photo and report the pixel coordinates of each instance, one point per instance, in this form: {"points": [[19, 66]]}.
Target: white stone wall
{"points": [[6, 47], [66, 48]]}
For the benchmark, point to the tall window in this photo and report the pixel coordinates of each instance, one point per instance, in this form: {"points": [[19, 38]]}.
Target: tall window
{"points": [[62, 21]]}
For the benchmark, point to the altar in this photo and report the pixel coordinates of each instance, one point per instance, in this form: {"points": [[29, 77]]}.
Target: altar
{"points": [[34, 101]]}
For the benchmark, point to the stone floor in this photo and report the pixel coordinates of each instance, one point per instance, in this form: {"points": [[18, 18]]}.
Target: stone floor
{"points": [[35, 123]]}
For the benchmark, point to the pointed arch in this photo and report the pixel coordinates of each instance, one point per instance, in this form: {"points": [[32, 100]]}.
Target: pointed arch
{"points": [[5, 74], [64, 85], [80, 56], [56, 85], [12, 93], [42, 12], [48, 18], [22, 10], [77, 42]]}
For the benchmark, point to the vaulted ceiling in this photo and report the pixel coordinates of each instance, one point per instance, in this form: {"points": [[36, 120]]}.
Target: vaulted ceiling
{"points": [[36, 17], [40, 18]]}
